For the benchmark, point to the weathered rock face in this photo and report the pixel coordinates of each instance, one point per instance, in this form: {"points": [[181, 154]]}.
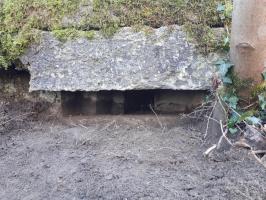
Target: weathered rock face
{"points": [[163, 59]]}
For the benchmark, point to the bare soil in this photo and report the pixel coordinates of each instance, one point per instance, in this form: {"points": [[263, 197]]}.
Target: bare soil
{"points": [[122, 157]]}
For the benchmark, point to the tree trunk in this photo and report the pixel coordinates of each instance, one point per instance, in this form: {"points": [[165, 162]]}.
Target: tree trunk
{"points": [[248, 42]]}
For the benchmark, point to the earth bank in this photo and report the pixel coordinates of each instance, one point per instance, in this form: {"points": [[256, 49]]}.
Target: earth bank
{"points": [[122, 157]]}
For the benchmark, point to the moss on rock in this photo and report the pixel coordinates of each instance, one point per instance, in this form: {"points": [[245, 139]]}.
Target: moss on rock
{"points": [[72, 33], [21, 20]]}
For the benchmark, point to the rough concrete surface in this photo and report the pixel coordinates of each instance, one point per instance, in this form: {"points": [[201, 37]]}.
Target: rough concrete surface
{"points": [[122, 157], [130, 60]]}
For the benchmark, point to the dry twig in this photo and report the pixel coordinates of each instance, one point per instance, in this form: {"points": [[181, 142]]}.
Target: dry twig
{"points": [[158, 119], [208, 120], [224, 135], [208, 151]]}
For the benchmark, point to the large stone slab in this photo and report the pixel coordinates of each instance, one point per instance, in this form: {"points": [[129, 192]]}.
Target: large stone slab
{"points": [[162, 59]]}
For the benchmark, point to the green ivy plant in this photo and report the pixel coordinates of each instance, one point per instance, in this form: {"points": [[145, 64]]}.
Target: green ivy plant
{"points": [[225, 11], [238, 112]]}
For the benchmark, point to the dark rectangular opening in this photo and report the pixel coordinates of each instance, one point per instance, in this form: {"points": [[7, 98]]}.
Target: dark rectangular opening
{"points": [[131, 102], [77, 103], [139, 101]]}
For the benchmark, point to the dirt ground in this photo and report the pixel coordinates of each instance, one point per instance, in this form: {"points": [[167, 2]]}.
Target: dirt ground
{"points": [[122, 157]]}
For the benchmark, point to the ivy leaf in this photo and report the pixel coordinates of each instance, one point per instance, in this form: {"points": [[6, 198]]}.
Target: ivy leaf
{"points": [[264, 75], [227, 80], [233, 121], [262, 115], [219, 62], [262, 101], [226, 40], [233, 101], [254, 120], [224, 68], [220, 7], [233, 130]]}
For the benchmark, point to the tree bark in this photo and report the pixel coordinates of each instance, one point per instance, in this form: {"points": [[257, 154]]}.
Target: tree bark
{"points": [[248, 42]]}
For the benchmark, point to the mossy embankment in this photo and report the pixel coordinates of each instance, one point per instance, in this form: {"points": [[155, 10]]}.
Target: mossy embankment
{"points": [[21, 21]]}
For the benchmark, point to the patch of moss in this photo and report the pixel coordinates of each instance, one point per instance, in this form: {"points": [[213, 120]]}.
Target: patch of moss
{"points": [[72, 33], [109, 15], [201, 17], [198, 16], [203, 35], [21, 20]]}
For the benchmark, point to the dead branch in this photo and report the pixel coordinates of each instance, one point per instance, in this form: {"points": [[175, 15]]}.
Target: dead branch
{"points": [[221, 104], [208, 120]]}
